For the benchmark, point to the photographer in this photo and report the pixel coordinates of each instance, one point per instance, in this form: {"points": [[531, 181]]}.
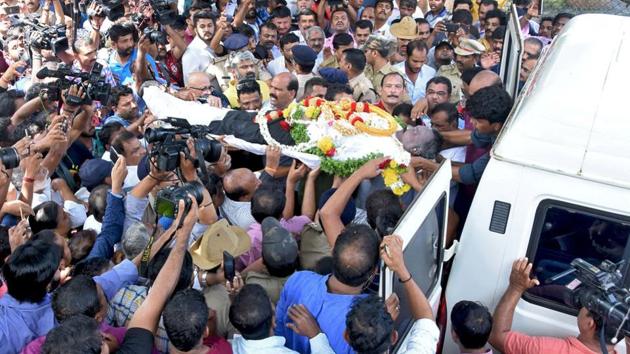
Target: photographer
{"points": [[128, 49], [505, 340], [85, 57]]}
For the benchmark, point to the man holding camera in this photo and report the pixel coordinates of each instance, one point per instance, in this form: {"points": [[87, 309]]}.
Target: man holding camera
{"points": [[505, 340], [127, 50]]}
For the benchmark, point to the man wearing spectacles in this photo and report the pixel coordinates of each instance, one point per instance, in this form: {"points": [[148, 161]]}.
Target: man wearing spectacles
{"points": [[438, 91]]}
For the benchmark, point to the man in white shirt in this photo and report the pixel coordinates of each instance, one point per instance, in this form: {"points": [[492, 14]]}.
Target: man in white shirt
{"points": [[305, 20], [284, 63], [382, 12], [415, 71], [199, 55]]}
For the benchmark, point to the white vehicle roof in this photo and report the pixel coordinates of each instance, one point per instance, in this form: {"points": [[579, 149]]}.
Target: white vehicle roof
{"points": [[573, 115]]}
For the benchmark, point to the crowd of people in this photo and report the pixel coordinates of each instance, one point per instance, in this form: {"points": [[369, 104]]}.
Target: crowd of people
{"points": [[112, 242]]}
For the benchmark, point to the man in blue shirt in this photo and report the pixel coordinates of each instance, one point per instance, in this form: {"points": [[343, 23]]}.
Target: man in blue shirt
{"points": [[127, 46], [329, 297]]}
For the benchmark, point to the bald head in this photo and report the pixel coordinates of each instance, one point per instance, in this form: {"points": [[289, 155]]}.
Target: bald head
{"points": [[198, 80], [483, 79], [283, 89], [240, 184]]}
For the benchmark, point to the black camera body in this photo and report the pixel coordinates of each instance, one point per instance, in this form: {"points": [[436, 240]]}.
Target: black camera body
{"points": [[601, 293], [9, 157], [112, 9], [168, 142], [155, 36], [162, 12], [95, 86], [46, 37], [167, 201]]}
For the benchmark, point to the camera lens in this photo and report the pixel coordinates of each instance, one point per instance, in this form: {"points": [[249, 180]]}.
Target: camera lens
{"points": [[210, 149], [193, 188], [9, 157]]}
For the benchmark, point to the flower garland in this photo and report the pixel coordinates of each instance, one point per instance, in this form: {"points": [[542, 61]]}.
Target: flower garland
{"points": [[297, 116], [391, 172]]}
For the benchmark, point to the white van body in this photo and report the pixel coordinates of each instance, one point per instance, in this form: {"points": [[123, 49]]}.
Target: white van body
{"points": [[566, 140], [565, 147]]}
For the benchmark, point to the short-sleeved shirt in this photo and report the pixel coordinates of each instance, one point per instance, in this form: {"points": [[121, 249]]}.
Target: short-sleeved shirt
{"points": [[417, 89], [362, 89], [471, 173], [313, 246], [137, 341], [310, 289], [122, 73], [519, 343], [377, 77]]}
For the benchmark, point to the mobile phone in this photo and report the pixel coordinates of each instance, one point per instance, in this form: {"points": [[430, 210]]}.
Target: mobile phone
{"points": [[228, 266], [10, 10], [451, 27], [113, 154]]}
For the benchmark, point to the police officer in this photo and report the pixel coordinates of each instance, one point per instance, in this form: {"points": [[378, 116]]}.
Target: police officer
{"points": [[353, 63], [304, 58]]}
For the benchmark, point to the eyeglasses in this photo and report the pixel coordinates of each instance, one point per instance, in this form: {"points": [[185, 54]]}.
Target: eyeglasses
{"points": [[206, 88], [439, 93]]}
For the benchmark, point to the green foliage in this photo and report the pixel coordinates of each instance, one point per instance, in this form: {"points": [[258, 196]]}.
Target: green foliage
{"points": [[299, 133]]}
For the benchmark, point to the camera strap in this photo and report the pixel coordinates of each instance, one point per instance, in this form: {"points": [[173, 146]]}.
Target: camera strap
{"points": [[146, 253]]}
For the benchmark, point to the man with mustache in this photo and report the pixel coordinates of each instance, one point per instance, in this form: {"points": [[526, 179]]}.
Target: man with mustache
{"points": [[392, 90], [269, 39], [129, 50], [305, 20], [283, 91], [243, 66], [382, 12], [405, 31]]}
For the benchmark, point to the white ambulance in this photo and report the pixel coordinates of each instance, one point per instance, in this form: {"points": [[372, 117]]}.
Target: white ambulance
{"points": [[557, 186]]}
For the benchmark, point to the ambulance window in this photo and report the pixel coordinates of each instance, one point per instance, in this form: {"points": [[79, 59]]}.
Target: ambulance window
{"points": [[564, 232], [423, 255]]}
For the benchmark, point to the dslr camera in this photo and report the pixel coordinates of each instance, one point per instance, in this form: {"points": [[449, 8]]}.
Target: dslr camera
{"points": [[167, 201], [600, 291], [94, 85], [169, 140], [9, 157], [155, 36]]}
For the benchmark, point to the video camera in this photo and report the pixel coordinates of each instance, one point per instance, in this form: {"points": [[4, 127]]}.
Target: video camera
{"points": [[112, 9], [94, 85], [168, 141], [599, 290], [163, 12], [46, 37]]}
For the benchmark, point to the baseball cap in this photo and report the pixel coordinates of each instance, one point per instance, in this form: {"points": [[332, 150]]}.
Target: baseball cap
{"points": [[279, 248], [94, 171], [235, 41], [304, 55]]}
